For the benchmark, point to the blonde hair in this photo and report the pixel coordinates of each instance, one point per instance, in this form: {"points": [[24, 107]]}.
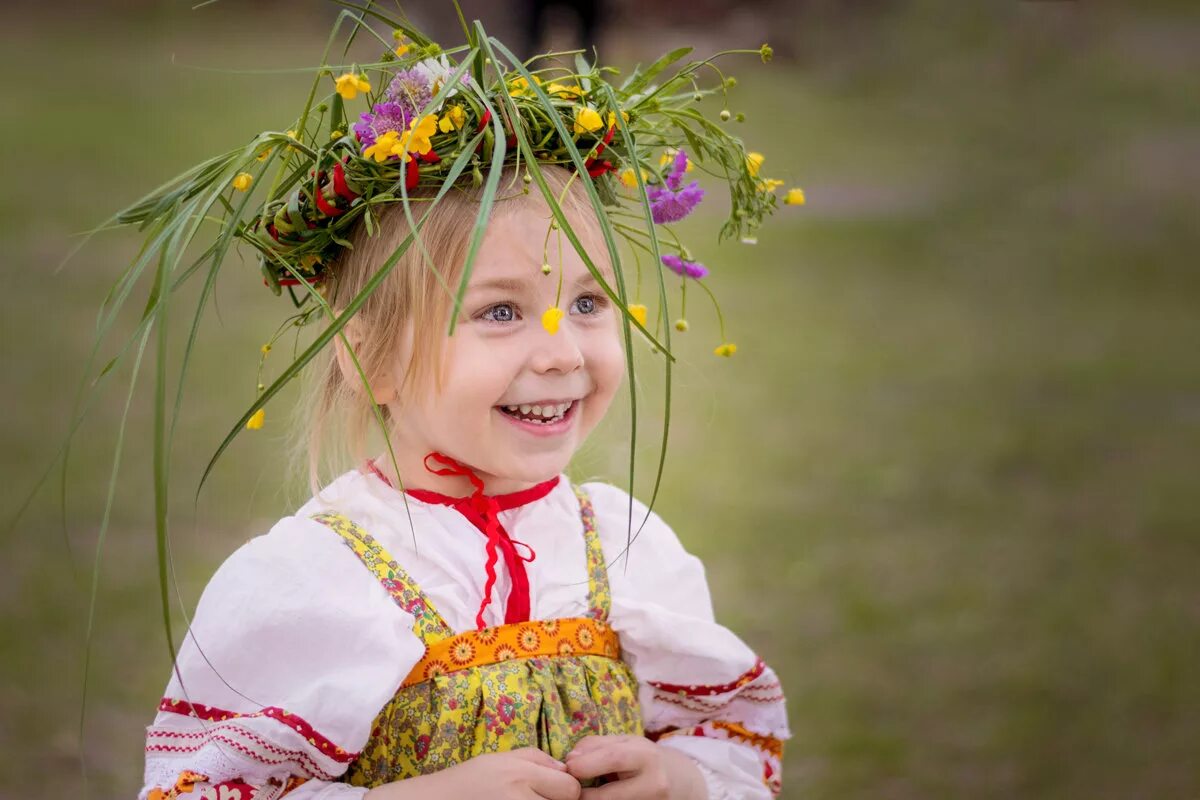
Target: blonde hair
{"points": [[411, 298]]}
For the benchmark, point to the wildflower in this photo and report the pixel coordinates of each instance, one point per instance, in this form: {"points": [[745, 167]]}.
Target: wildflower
{"points": [[570, 92], [242, 181], [587, 120], [550, 319], [794, 197], [669, 155], [384, 117], [436, 72], [765, 52], [769, 184], [292, 135], [684, 267], [520, 86], [638, 312], [412, 89], [753, 162], [681, 325], [669, 202], [335, 135], [255, 422], [266, 348], [725, 115], [402, 45], [454, 118], [416, 139], [612, 118], [381, 149], [727, 349], [349, 85], [629, 179], [263, 155]]}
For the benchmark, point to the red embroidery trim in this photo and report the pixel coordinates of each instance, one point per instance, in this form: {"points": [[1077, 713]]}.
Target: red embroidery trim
{"points": [[296, 756], [296, 723], [711, 689]]}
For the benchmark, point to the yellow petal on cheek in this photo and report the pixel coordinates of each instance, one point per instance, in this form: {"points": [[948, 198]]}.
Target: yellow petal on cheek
{"points": [[550, 319]]}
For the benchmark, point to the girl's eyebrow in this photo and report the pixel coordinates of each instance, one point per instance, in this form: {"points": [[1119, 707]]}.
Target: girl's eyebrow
{"points": [[503, 284]]}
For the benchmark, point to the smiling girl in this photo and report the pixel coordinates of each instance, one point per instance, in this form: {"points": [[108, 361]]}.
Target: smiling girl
{"points": [[451, 617]]}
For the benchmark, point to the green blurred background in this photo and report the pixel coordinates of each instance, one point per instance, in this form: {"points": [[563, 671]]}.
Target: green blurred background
{"points": [[947, 487]]}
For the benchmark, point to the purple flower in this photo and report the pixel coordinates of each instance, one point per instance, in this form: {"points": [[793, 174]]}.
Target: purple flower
{"points": [[384, 117], [669, 203], [411, 89], [688, 269]]}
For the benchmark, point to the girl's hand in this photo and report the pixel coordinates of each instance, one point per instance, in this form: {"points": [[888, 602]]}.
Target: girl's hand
{"points": [[525, 774], [643, 769]]}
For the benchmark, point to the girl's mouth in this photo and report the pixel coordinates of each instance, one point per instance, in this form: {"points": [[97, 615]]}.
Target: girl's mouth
{"points": [[542, 418]]}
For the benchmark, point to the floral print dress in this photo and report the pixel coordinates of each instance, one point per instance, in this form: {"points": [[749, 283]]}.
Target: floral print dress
{"points": [[538, 683]]}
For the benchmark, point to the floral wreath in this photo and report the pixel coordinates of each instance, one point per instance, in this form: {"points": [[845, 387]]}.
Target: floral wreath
{"points": [[423, 117]]}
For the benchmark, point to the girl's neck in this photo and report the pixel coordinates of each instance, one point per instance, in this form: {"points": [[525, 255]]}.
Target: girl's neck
{"points": [[413, 474]]}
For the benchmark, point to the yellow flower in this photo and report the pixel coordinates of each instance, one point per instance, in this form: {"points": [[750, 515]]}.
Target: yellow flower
{"points": [[770, 184], [454, 118], [292, 135], [266, 348], [416, 138], [612, 118], [630, 180], [401, 49], [571, 91], [753, 162], [587, 120], [336, 135], [384, 145], [349, 85], [521, 86], [242, 181], [264, 154], [639, 313], [550, 319], [794, 197], [681, 325], [669, 155], [256, 421], [727, 349]]}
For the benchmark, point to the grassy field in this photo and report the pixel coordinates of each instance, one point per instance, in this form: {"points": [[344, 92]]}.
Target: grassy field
{"points": [[947, 486]]}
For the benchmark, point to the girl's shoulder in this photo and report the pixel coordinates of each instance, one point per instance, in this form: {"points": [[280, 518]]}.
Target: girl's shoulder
{"points": [[628, 528]]}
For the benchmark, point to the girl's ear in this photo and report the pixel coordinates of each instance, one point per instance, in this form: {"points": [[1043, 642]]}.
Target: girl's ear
{"points": [[382, 386]]}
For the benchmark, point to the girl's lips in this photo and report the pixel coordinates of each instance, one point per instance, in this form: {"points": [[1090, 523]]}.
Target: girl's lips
{"points": [[555, 428]]}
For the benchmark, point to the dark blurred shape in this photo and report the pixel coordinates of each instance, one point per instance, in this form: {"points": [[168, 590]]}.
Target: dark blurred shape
{"points": [[585, 14]]}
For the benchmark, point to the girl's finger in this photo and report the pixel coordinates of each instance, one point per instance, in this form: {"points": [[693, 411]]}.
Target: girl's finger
{"points": [[603, 760], [538, 757], [553, 784]]}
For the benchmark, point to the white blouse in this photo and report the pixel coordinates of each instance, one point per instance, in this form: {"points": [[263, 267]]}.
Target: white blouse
{"points": [[295, 647]]}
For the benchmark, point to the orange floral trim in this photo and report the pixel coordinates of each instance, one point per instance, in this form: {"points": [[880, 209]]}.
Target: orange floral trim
{"points": [[572, 636]]}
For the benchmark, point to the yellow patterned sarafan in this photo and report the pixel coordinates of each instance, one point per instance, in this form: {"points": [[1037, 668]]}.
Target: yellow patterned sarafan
{"points": [[541, 683]]}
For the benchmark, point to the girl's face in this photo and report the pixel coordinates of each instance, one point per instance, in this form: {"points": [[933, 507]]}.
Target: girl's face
{"points": [[517, 402]]}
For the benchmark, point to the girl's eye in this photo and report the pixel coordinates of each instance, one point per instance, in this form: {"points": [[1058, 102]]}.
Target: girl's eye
{"points": [[501, 312], [588, 304]]}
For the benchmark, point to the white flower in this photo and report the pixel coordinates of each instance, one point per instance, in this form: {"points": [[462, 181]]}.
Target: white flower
{"points": [[439, 70]]}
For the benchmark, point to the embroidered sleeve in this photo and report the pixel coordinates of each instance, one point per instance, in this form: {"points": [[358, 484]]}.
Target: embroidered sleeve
{"points": [[703, 691], [291, 653]]}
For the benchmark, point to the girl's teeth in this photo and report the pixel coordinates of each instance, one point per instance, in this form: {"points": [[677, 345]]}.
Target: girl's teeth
{"points": [[526, 409]]}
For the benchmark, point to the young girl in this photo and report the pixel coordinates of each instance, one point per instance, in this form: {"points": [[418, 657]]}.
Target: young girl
{"points": [[452, 618]]}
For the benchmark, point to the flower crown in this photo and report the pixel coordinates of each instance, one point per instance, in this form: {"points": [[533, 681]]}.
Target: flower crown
{"points": [[422, 120]]}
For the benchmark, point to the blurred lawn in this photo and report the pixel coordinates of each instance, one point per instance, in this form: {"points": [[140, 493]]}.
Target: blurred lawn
{"points": [[947, 486]]}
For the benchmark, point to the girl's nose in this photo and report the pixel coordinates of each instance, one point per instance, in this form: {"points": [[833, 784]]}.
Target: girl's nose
{"points": [[558, 352]]}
